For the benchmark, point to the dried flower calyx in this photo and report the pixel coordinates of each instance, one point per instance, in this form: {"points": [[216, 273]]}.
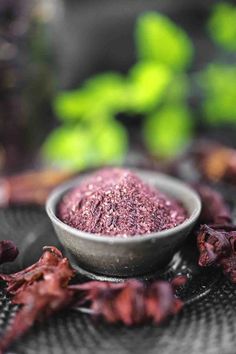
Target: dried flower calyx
{"points": [[214, 208], [31, 187], [216, 162], [51, 262], [212, 245], [43, 288], [216, 238], [8, 251], [217, 246], [131, 302]]}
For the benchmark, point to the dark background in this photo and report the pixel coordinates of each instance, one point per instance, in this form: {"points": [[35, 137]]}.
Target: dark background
{"points": [[75, 41], [95, 36]]}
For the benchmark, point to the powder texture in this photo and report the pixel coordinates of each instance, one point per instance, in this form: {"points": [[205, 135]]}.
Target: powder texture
{"points": [[115, 201]]}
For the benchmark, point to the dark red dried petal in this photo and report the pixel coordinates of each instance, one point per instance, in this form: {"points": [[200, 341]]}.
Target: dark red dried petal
{"points": [[232, 240], [159, 301], [51, 261], [228, 265], [212, 245], [31, 187], [42, 289], [8, 251], [162, 302], [100, 296], [131, 302], [218, 247], [223, 227], [39, 300], [214, 208], [179, 280], [214, 161]]}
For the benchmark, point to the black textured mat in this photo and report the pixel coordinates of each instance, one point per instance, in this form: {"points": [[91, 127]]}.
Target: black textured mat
{"points": [[206, 325]]}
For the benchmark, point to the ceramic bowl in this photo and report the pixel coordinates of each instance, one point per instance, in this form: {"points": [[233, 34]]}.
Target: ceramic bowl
{"points": [[131, 256]]}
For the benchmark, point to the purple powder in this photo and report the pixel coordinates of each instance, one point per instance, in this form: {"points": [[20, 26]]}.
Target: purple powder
{"points": [[115, 201]]}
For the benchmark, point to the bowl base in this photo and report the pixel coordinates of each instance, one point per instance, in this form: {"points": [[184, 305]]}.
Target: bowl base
{"points": [[160, 273]]}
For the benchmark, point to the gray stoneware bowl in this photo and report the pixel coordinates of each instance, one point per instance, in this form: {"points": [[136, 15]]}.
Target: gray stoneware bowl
{"points": [[131, 256]]}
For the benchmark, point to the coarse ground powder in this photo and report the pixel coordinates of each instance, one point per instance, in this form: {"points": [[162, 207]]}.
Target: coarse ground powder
{"points": [[116, 201]]}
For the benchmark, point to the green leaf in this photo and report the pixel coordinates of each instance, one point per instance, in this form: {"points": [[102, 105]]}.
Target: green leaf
{"points": [[222, 25], [83, 146], [109, 89], [168, 131], [71, 105], [148, 84], [178, 90], [101, 96], [161, 40], [219, 83], [111, 142]]}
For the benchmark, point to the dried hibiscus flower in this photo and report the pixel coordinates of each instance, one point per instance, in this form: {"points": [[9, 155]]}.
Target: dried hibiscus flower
{"points": [[214, 208], [39, 301], [31, 187], [212, 245], [43, 289], [132, 302], [216, 162], [51, 262], [8, 251], [217, 246]]}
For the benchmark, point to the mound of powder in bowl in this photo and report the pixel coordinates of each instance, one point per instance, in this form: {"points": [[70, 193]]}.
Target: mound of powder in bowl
{"points": [[116, 201]]}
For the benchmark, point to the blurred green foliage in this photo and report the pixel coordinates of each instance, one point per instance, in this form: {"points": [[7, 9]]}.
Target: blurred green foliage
{"points": [[148, 83], [81, 146], [178, 90], [160, 40], [168, 129], [219, 83], [90, 134], [157, 87], [218, 80], [222, 25], [100, 96]]}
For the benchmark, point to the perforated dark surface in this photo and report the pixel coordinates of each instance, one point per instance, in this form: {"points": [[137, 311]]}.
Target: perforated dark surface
{"points": [[206, 325]]}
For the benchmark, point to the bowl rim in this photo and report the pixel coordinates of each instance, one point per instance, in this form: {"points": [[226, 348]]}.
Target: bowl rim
{"points": [[57, 193]]}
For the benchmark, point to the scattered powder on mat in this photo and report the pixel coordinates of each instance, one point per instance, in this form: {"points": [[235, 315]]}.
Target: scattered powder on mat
{"points": [[115, 201]]}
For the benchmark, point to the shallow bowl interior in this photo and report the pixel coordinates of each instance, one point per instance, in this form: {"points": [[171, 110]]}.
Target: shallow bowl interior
{"points": [[127, 256]]}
